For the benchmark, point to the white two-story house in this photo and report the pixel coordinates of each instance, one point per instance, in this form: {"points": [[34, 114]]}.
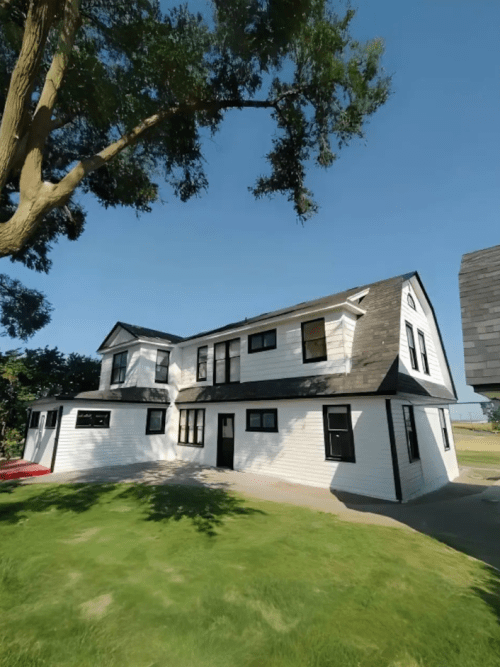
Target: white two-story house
{"points": [[348, 392]]}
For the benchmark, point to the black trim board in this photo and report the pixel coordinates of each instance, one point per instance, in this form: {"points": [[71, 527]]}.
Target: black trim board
{"points": [[287, 398], [56, 439], [26, 429], [394, 452]]}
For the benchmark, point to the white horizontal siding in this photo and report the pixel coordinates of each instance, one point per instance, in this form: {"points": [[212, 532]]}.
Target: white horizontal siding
{"points": [[420, 321], [286, 360], [297, 452], [125, 441]]}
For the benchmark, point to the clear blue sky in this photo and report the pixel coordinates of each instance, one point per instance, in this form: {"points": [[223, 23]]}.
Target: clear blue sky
{"points": [[420, 191]]}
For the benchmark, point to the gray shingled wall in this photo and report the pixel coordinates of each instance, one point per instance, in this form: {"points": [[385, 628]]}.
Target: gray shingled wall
{"points": [[479, 280]]}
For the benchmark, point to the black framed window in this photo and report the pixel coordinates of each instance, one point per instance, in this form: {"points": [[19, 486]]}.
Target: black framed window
{"points": [[92, 419], [161, 369], [192, 427], [35, 419], [227, 362], [411, 346], [411, 302], [313, 341], [155, 422], [51, 419], [423, 352], [444, 428], [201, 364], [265, 340], [339, 439], [411, 433], [262, 420], [119, 368]]}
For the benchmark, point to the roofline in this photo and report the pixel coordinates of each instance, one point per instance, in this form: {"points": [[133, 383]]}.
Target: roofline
{"points": [[126, 326], [416, 275]]}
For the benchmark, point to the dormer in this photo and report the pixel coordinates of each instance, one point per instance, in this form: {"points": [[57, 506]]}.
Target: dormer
{"points": [[135, 356]]}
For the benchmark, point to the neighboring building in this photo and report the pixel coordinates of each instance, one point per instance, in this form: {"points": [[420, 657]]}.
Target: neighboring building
{"points": [[348, 392], [480, 300]]}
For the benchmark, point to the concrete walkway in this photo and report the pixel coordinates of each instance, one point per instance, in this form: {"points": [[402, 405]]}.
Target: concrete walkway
{"points": [[465, 514]]}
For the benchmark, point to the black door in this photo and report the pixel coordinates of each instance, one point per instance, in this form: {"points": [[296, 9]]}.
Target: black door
{"points": [[225, 441]]}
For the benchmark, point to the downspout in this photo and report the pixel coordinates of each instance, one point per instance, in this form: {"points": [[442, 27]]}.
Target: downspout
{"points": [[394, 453], [56, 439]]}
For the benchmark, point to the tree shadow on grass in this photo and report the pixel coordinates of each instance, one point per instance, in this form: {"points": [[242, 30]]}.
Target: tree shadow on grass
{"points": [[205, 507], [9, 486], [71, 498], [490, 592]]}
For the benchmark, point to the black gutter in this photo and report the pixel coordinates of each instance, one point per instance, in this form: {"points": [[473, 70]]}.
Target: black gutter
{"points": [[394, 453], [56, 439]]}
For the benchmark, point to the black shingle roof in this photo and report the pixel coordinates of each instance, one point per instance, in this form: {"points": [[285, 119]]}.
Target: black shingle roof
{"points": [[125, 394], [142, 332]]}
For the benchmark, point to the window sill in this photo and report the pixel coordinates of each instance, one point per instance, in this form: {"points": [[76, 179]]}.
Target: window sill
{"points": [[161, 381], [155, 432], [262, 430], [190, 444], [264, 349], [313, 361], [339, 460]]}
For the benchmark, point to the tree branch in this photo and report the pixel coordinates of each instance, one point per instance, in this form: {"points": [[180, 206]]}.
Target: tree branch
{"points": [[38, 22], [41, 126]]}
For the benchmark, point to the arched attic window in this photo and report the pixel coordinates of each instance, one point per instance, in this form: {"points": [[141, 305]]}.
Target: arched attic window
{"points": [[411, 302]]}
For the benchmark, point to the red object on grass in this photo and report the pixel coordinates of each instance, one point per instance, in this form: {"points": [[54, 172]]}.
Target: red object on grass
{"points": [[21, 468]]}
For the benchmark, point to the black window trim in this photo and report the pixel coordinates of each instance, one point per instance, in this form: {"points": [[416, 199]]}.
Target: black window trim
{"points": [[413, 456], [251, 337], [157, 365], [119, 368], [198, 379], [93, 412], [329, 457], [226, 359], [47, 424], [163, 420], [423, 353], [35, 417], [261, 411], [316, 359], [191, 444], [413, 358], [444, 430]]}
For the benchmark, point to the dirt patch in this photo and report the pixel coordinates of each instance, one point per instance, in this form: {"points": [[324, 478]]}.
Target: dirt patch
{"points": [[84, 536], [97, 607]]}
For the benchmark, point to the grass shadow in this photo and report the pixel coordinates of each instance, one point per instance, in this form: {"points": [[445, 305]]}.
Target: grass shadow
{"points": [[71, 498], [205, 507], [490, 592], [9, 486]]}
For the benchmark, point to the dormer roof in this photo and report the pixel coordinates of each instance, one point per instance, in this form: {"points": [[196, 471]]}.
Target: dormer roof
{"points": [[143, 333]]}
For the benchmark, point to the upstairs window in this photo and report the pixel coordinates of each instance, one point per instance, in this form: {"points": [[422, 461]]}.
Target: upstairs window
{"points": [[423, 352], [119, 368], [227, 362], [411, 302], [92, 419], [266, 340], [411, 346], [313, 341], [444, 428], [262, 420], [161, 370], [411, 433], [35, 419], [201, 365], [51, 419]]}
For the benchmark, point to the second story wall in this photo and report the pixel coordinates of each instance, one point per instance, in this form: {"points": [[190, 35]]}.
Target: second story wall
{"points": [[286, 359]]}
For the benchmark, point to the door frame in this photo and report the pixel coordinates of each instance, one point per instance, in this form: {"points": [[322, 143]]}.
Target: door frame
{"points": [[219, 436]]}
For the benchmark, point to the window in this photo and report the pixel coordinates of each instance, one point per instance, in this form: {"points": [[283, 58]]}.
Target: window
{"points": [[411, 302], [119, 368], [192, 427], [201, 364], [51, 419], [339, 441], [444, 428], [411, 346], [156, 420], [411, 433], [35, 419], [161, 370], [227, 362], [266, 340], [313, 341], [262, 420], [93, 419], [423, 352]]}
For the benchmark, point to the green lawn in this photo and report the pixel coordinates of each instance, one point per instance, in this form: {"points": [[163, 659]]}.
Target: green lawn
{"points": [[136, 576], [478, 459]]}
